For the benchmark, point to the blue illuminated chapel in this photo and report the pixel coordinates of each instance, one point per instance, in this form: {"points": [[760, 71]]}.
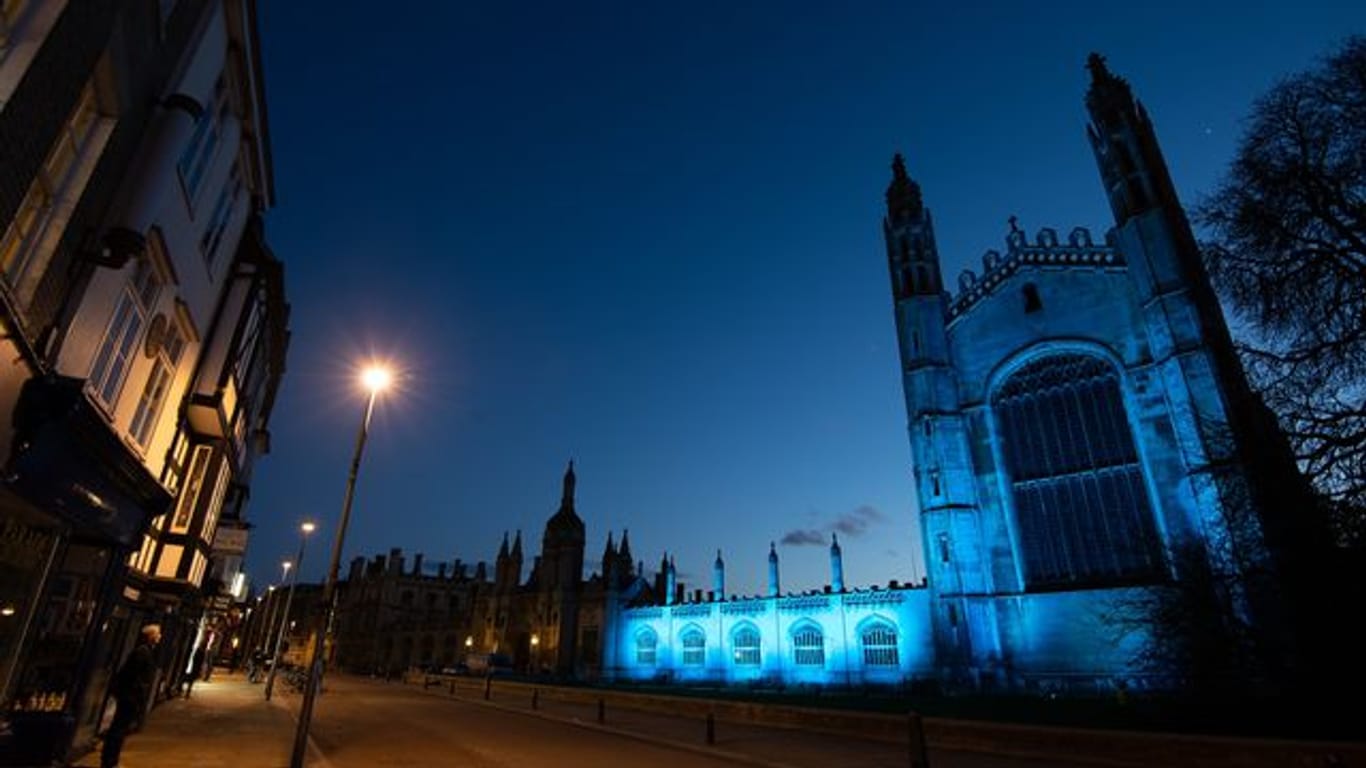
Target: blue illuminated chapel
{"points": [[1084, 445]]}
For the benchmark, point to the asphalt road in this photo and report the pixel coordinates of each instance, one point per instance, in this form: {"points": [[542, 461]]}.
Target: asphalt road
{"points": [[360, 723]]}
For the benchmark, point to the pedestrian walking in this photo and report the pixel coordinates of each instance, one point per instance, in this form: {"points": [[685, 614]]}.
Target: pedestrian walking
{"points": [[196, 669], [131, 688]]}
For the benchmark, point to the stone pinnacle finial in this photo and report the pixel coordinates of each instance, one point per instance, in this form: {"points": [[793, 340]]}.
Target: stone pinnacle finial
{"points": [[1099, 72]]}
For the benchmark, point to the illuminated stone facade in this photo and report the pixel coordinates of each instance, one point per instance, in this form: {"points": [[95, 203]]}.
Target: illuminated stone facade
{"points": [[1084, 447]]}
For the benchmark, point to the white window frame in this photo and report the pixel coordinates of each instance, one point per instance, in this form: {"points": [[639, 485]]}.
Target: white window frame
{"points": [[197, 157], [118, 350], [25, 245]]}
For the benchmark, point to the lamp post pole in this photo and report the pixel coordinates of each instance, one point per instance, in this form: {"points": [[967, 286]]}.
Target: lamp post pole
{"points": [[304, 530], [263, 638], [375, 379]]}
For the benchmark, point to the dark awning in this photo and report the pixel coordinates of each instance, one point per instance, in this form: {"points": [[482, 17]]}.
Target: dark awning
{"points": [[67, 460]]}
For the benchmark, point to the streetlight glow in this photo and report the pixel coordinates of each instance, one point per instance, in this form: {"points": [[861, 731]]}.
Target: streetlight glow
{"points": [[308, 527], [376, 378]]}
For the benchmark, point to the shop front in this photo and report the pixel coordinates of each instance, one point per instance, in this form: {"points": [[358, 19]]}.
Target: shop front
{"points": [[74, 501]]}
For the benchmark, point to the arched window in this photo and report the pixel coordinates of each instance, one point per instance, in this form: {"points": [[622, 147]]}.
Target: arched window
{"points": [[647, 644], [879, 645], [808, 646], [746, 644], [694, 647], [1080, 502]]}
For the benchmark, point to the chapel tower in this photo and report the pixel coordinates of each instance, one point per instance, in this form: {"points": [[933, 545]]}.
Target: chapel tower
{"points": [[939, 448]]}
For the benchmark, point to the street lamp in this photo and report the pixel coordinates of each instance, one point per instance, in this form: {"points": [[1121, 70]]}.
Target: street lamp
{"points": [[375, 379], [304, 530], [535, 653]]}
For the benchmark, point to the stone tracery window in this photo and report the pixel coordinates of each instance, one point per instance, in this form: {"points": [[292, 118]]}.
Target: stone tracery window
{"points": [[808, 646], [694, 647], [647, 645], [1080, 503], [879, 645], [746, 645]]}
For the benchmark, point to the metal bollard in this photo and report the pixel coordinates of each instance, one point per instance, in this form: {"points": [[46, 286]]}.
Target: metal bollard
{"points": [[711, 728], [535, 698], [452, 686], [602, 711], [488, 688], [916, 741]]}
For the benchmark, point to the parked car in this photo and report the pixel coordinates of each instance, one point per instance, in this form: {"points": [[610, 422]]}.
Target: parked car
{"points": [[491, 664]]}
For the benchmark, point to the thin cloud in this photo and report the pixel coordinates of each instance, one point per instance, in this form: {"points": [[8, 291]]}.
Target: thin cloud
{"points": [[807, 537], [855, 522], [858, 520]]}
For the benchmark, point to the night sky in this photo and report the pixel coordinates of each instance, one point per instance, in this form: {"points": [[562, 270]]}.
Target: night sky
{"points": [[647, 237]]}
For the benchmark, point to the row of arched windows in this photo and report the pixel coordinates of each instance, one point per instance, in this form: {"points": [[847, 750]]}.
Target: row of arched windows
{"points": [[878, 641]]}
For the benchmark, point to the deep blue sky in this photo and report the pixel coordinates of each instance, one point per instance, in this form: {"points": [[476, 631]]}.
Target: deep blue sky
{"points": [[646, 236]]}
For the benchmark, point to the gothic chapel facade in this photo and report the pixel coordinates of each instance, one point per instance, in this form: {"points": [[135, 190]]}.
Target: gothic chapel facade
{"points": [[1082, 434], [1084, 445]]}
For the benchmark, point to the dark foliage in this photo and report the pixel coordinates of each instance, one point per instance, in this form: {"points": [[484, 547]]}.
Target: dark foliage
{"points": [[1288, 253]]}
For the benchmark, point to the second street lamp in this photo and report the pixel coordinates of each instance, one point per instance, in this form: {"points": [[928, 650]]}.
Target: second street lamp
{"points": [[375, 379], [304, 530]]}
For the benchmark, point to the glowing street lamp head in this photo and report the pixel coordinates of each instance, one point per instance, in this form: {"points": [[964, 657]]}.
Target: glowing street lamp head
{"points": [[308, 527], [376, 378], [287, 565]]}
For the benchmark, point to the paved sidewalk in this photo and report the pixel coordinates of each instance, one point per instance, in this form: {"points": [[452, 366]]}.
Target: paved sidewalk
{"points": [[226, 723]]}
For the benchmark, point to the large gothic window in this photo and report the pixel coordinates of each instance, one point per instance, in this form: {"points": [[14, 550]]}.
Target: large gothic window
{"points": [[1080, 503], [808, 646], [694, 647], [746, 644], [879, 645], [647, 643]]}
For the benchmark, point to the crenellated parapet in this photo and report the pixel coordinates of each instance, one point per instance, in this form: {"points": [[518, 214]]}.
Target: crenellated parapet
{"points": [[1080, 251]]}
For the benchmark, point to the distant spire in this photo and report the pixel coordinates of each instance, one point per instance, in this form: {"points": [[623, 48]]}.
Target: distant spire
{"points": [[772, 570], [503, 550], [670, 581], [625, 545], [611, 545], [718, 578], [517, 545], [569, 484], [836, 565]]}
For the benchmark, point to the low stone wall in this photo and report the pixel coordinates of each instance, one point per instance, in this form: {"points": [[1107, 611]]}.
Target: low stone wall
{"points": [[1121, 749]]}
